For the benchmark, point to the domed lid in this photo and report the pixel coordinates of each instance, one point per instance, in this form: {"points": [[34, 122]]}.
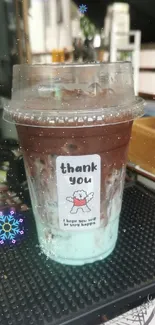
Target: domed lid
{"points": [[73, 95]]}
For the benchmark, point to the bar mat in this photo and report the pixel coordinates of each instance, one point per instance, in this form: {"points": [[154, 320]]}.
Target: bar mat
{"points": [[37, 291]]}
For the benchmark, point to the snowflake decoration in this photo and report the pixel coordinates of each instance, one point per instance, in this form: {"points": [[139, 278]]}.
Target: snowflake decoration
{"points": [[83, 9], [10, 227]]}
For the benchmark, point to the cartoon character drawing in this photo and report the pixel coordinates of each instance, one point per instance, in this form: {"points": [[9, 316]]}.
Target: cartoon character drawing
{"points": [[80, 200]]}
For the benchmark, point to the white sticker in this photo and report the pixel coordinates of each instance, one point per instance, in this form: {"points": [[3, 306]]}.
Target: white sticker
{"points": [[78, 188]]}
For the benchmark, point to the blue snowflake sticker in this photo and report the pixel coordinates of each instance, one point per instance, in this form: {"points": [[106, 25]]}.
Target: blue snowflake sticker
{"points": [[11, 227], [83, 9]]}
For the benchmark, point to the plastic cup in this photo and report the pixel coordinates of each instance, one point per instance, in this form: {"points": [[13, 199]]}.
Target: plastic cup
{"points": [[74, 124]]}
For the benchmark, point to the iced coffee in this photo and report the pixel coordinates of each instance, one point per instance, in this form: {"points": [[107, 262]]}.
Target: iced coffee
{"points": [[74, 124]]}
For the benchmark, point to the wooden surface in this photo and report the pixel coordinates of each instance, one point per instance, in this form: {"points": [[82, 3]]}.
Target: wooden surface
{"points": [[24, 50], [26, 31], [19, 33], [147, 96], [142, 144]]}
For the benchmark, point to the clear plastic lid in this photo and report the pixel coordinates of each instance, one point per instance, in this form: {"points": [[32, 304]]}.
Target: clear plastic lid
{"points": [[73, 95]]}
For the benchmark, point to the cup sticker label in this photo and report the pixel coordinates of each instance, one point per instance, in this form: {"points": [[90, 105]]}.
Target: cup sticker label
{"points": [[78, 190]]}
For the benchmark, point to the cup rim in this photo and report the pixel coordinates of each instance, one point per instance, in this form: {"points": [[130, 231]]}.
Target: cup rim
{"points": [[74, 65], [95, 117]]}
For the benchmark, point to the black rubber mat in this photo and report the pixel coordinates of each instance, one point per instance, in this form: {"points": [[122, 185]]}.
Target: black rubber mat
{"points": [[37, 291]]}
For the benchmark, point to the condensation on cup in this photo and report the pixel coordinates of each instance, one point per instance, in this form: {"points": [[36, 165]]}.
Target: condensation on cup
{"points": [[74, 125]]}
